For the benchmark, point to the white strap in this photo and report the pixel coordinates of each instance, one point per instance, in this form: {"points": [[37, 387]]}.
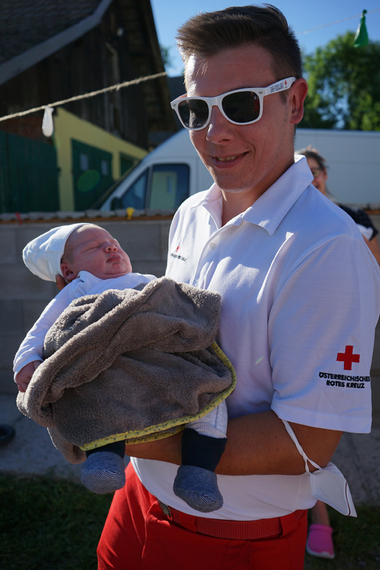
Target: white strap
{"points": [[299, 448]]}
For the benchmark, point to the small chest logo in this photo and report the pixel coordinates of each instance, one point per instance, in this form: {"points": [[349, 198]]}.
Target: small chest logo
{"points": [[177, 255]]}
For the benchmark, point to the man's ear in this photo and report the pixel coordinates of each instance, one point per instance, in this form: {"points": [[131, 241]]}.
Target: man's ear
{"points": [[297, 98], [67, 273]]}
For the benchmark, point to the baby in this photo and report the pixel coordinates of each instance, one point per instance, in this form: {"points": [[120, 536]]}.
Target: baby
{"points": [[91, 261]]}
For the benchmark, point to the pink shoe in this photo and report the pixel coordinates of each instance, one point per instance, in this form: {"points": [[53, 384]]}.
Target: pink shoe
{"points": [[319, 541]]}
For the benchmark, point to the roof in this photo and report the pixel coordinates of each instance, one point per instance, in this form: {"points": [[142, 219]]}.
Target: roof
{"points": [[26, 23], [31, 30]]}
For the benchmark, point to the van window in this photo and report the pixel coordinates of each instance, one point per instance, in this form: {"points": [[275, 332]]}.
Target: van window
{"points": [[169, 186], [135, 195]]}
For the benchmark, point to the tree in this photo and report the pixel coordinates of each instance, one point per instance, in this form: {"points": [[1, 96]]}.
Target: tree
{"points": [[166, 56], [344, 86]]}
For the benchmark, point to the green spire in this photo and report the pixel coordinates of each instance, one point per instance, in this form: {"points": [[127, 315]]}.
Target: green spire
{"points": [[361, 36]]}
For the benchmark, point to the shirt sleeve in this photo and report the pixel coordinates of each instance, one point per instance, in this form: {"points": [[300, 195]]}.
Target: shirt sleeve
{"points": [[321, 334], [32, 346]]}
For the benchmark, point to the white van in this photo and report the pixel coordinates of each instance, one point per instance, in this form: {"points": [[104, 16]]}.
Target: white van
{"points": [[174, 171], [163, 179]]}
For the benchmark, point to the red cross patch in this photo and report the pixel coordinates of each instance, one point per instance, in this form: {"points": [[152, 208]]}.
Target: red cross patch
{"points": [[348, 357]]}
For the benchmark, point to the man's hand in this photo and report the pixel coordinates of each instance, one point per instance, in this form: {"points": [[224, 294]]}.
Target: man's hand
{"points": [[60, 282], [25, 375]]}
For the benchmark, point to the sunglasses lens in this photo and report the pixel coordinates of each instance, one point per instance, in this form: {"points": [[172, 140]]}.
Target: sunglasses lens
{"points": [[194, 113], [243, 107]]}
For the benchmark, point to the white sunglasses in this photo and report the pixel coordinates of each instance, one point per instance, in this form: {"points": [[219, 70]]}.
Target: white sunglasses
{"points": [[240, 107]]}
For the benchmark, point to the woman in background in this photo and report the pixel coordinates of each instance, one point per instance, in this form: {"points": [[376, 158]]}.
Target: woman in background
{"points": [[318, 167]]}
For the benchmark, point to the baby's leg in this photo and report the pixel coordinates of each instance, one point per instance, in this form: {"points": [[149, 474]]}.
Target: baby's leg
{"points": [[103, 472], [203, 443], [213, 424]]}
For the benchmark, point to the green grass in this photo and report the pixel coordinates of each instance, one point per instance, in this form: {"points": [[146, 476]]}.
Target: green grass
{"points": [[47, 524]]}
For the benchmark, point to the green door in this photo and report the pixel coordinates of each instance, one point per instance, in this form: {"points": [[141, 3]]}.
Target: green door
{"points": [[92, 173], [126, 163], [28, 175]]}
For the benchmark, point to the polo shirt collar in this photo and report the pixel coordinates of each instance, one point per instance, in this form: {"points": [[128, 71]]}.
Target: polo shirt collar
{"points": [[270, 209]]}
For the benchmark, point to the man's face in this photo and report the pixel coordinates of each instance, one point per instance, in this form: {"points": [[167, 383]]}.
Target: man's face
{"points": [[94, 250], [242, 159]]}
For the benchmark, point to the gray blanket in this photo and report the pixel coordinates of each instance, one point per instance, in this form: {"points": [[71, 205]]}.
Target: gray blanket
{"points": [[127, 365]]}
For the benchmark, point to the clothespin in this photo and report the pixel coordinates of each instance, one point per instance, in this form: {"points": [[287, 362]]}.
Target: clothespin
{"points": [[47, 122]]}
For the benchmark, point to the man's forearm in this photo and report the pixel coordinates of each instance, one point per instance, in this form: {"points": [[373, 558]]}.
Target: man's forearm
{"points": [[257, 444]]}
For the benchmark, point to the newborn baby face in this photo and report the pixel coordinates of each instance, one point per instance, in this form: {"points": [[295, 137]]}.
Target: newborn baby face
{"points": [[93, 249]]}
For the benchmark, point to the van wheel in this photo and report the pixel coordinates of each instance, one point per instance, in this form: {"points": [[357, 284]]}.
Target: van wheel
{"points": [[7, 433]]}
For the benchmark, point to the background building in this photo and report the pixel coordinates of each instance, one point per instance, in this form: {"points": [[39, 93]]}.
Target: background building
{"points": [[52, 50]]}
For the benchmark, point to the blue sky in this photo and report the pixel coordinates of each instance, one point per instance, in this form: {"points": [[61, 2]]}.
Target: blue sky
{"points": [[301, 15]]}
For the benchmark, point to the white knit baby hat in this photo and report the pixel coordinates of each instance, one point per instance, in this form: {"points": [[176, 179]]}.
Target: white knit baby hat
{"points": [[43, 254]]}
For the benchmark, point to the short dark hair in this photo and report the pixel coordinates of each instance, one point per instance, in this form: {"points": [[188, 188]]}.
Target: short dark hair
{"points": [[310, 152], [209, 33]]}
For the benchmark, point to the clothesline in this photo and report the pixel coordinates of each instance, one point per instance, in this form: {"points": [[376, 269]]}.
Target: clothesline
{"points": [[85, 95], [336, 22], [147, 78]]}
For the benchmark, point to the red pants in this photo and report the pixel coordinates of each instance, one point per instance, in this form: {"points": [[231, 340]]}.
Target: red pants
{"points": [[138, 536]]}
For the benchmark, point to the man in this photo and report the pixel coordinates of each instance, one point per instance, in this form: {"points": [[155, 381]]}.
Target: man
{"points": [[300, 301]]}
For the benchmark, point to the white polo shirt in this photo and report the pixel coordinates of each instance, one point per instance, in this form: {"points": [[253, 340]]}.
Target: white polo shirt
{"points": [[300, 302]]}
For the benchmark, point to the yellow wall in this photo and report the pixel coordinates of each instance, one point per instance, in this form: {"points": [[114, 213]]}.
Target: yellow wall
{"points": [[68, 126]]}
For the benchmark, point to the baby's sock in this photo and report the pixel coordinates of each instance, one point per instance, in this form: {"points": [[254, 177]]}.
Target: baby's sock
{"points": [[103, 471], [198, 487], [196, 483]]}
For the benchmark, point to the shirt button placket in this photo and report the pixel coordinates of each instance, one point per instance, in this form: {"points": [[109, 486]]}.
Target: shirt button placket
{"points": [[200, 277]]}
